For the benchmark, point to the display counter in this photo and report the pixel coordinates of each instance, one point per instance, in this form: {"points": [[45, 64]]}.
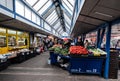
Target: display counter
{"points": [[53, 57], [86, 65], [80, 64]]}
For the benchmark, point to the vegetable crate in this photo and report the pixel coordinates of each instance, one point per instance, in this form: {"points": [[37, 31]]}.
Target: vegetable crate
{"points": [[86, 65]]}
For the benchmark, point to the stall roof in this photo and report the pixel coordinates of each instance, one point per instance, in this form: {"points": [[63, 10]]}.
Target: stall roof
{"points": [[6, 21], [95, 13]]}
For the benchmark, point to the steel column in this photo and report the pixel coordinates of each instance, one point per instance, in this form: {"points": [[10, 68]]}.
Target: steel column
{"points": [[98, 38], [101, 37], [108, 37]]}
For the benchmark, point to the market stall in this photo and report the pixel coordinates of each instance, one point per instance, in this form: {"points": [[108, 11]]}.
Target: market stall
{"points": [[14, 45], [59, 56], [79, 59], [37, 44], [87, 61]]}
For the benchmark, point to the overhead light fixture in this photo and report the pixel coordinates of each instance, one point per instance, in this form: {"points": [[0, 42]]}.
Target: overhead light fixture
{"points": [[103, 14]]}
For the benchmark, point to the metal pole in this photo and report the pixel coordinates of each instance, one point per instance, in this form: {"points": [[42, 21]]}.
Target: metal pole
{"points": [[101, 37], [84, 36], [108, 37], [98, 38]]}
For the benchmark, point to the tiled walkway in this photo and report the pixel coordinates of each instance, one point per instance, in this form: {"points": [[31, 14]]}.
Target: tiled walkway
{"points": [[37, 69]]}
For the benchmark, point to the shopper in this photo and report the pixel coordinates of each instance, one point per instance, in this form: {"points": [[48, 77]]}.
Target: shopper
{"points": [[118, 44], [45, 44], [86, 44], [50, 43]]}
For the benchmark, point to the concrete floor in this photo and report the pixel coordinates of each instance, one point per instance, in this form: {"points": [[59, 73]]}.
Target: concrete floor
{"points": [[37, 69]]}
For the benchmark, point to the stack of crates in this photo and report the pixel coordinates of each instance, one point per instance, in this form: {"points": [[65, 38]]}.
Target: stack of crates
{"points": [[113, 69]]}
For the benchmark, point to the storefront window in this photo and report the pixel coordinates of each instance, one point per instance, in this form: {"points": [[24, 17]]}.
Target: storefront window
{"points": [[2, 30], [11, 40], [22, 41], [20, 33], [3, 41], [12, 32], [26, 34]]}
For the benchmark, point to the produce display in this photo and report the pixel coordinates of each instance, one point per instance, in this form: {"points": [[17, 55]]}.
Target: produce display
{"points": [[51, 49], [97, 52], [64, 51], [59, 50], [78, 50], [55, 47]]}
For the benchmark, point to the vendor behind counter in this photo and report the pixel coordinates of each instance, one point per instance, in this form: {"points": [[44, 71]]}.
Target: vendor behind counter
{"points": [[67, 43], [79, 42]]}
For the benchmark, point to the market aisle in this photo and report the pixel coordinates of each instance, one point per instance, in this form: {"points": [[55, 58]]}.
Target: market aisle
{"points": [[37, 69]]}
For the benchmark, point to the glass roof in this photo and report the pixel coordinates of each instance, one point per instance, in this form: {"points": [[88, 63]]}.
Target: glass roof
{"points": [[57, 25], [67, 19], [67, 26], [66, 4], [51, 10], [32, 2], [39, 4]]}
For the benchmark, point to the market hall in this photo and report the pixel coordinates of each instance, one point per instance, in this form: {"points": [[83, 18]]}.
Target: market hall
{"points": [[59, 40]]}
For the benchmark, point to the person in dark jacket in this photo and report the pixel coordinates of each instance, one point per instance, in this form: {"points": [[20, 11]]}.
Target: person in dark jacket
{"points": [[79, 42], [67, 44]]}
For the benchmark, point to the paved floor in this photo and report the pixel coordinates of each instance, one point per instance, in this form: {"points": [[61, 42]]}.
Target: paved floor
{"points": [[37, 69]]}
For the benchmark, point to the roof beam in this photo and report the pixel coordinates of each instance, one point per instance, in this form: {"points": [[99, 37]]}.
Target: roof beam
{"points": [[6, 20], [60, 13], [87, 23], [49, 9], [55, 22], [42, 6], [70, 3], [93, 17], [35, 3], [48, 13]]}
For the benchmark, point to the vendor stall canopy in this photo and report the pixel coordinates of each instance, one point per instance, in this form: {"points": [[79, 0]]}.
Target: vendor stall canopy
{"points": [[95, 13], [60, 14]]}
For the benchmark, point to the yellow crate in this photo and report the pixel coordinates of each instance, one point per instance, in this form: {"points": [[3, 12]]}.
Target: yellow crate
{"points": [[3, 50]]}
